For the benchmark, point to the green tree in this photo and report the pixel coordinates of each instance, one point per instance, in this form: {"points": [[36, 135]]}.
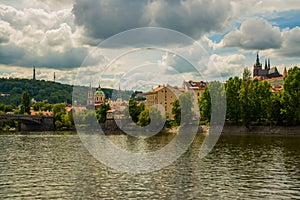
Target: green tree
{"points": [[101, 113], [233, 87], [186, 105], [205, 105], [176, 111], [144, 118], [245, 98], [59, 111], [135, 110], [66, 121], [25, 103], [291, 96], [276, 110]]}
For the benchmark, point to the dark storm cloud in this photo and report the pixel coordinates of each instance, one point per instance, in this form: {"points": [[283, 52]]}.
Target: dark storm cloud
{"points": [[102, 19], [10, 54], [14, 55]]}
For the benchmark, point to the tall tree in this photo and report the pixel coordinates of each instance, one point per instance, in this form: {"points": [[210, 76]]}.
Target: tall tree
{"points": [[205, 105], [102, 112], [176, 111], [233, 87], [25, 103], [144, 118], [291, 95], [186, 105], [135, 110], [245, 98]]}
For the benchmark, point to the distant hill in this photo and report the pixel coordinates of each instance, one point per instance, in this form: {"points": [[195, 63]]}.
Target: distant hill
{"points": [[11, 91]]}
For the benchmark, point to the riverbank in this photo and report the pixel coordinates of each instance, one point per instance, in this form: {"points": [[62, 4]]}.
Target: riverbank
{"points": [[257, 129], [203, 130]]}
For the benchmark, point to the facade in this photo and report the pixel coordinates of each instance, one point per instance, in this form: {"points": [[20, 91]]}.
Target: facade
{"points": [[99, 97], [267, 72], [94, 100], [163, 96], [197, 88]]}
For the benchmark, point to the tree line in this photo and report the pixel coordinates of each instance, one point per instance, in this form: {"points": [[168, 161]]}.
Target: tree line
{"points": [[48, 91], [250, 101]]}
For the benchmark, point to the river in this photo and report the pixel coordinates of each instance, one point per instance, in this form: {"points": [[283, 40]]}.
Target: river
{"points": [[58, 166]]}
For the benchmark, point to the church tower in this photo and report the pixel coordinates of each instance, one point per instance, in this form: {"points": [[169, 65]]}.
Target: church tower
{"points": [[90, 96], [257, 66]]}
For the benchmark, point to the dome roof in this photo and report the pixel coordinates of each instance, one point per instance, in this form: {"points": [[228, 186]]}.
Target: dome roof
{"points": [[99, 92]]}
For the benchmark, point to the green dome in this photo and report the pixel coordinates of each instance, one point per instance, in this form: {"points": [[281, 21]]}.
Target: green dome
{"points": [[99, 92]]}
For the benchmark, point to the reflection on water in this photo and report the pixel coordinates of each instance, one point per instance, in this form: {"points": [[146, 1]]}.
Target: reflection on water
{"points": [[53, 166]]}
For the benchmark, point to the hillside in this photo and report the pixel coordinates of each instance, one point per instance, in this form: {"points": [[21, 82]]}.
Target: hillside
{"points": [[11, 91]]}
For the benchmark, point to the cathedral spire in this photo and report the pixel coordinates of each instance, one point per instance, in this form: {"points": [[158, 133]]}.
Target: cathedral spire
{"points": [[284, 72], [266, 65], [257, 60], [269, 64]]}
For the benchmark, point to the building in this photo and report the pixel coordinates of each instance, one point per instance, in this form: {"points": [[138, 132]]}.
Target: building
{"points": [[99, 97], [197, 88], [164, 96], [90, 98], [94, 100], [267, 72]]}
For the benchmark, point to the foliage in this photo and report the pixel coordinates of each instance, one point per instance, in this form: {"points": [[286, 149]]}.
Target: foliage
{"points": [[182, 108], [291, 96], [62, 118], [6, 108], [144, 118], [48, 91], [41, 106], [135, 110], [176, 111], [25, 103], [186, 105], [205, 105], [233, 87], [245, 98], [101, 113]]}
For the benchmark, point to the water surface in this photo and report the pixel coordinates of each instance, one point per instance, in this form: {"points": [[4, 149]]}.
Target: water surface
{"points": [[58, 166]]}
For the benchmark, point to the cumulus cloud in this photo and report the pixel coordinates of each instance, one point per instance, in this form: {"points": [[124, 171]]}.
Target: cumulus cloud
{"points": [[103, 19], [39, 37], [290, 44], [255, 34], [227, 65]]}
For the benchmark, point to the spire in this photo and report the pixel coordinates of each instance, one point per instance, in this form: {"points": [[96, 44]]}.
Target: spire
{"points": [[284, 72], [269, 64], [99, 87], [54, 76], [257, 59], [257, 64], [33, 76], [266, 65]]}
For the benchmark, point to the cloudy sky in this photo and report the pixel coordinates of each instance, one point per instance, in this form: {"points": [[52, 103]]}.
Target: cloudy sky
{"points": [[61, 36]]}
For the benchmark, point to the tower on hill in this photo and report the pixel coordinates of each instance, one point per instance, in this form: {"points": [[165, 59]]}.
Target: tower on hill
{"points": [[33, 75]]}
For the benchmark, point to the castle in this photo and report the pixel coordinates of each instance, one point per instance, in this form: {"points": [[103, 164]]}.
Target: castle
{"points": [[267, 72]]}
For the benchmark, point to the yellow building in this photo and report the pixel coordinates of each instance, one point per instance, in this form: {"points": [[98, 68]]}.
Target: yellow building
{"points": [[163, 96]]}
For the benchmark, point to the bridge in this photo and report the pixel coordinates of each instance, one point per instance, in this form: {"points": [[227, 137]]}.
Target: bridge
{"points": [[31, 122]]}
